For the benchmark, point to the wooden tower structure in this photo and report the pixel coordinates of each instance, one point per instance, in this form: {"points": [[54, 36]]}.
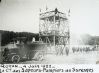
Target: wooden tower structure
{"points": [[54, 28]]}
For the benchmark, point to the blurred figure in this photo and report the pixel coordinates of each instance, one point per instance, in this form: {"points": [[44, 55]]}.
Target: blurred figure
{"points": [[5, 54]]}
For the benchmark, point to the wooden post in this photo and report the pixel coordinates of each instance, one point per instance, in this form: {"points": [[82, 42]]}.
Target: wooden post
{"points": [[0, 49], [0, 42]]}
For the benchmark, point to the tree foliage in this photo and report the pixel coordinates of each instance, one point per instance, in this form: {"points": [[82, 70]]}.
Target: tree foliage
{"points": [[8, 36]]}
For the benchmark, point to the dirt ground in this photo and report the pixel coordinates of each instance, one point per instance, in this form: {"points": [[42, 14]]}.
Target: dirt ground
{"points": [[72, 58]]}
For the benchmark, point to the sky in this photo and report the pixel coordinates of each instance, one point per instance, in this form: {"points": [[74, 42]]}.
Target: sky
{"points": [[23, 15]]}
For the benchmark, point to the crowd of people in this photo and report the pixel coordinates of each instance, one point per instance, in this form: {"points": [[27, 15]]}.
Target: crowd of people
{"points": [[84, 49], [61, 50]]}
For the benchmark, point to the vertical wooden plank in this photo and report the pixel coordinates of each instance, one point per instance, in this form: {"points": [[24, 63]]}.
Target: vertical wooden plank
{"points": [[0, 49], [0, 42]]}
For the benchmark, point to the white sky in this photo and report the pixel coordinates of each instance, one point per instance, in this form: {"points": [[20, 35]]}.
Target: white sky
{"points": [[22, 15]]}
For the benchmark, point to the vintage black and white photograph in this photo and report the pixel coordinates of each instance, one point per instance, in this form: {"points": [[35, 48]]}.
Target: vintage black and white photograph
{"points": [[49, 31]]}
